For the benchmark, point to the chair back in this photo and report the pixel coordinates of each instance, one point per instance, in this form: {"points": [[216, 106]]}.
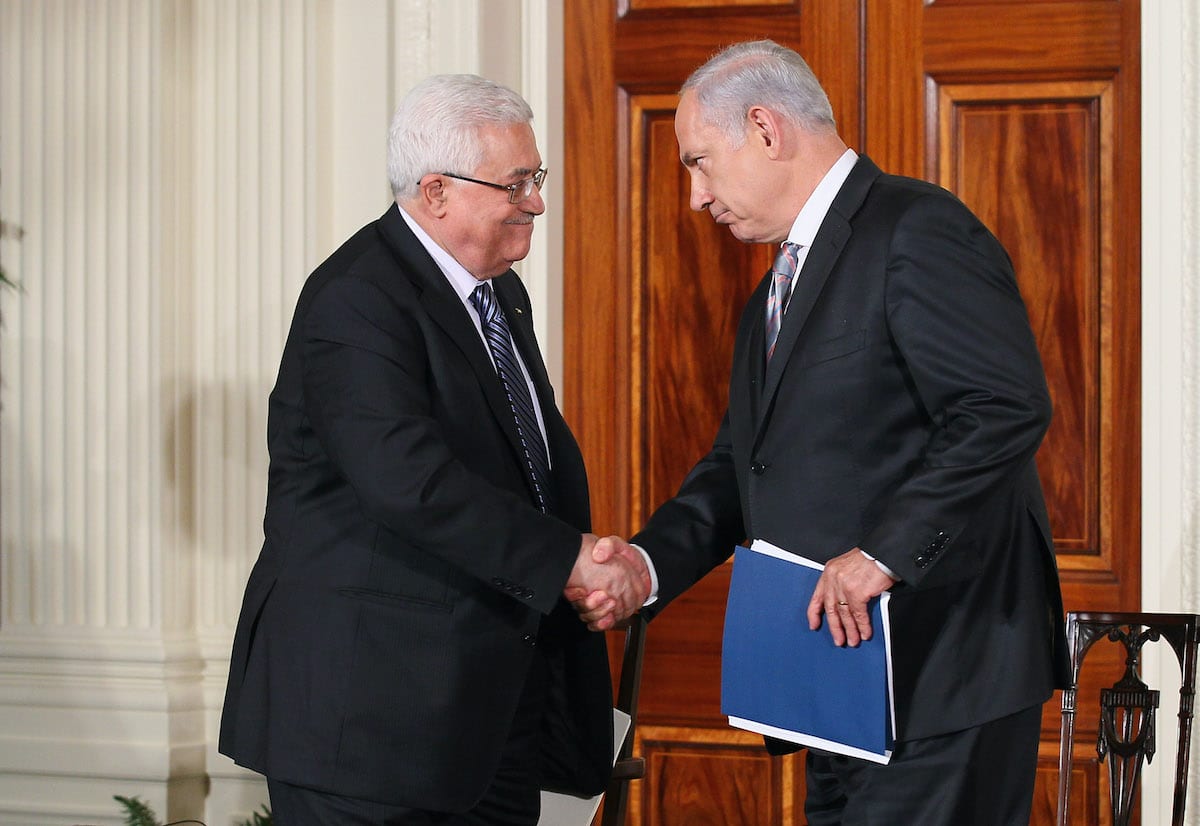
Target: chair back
{"points": [[1128, 709], [627, 767]]}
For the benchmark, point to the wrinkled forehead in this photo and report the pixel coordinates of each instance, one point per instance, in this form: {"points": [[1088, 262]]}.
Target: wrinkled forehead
{"points": [[508, 150]]}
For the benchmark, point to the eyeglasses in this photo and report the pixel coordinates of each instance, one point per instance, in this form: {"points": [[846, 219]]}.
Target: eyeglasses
{"points": [[516, 192]]}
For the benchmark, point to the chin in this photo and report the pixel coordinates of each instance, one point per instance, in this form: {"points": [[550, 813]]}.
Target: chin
{"points": [[749, 237], [512, 256]]}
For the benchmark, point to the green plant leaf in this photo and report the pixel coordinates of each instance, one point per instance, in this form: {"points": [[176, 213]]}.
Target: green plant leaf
{"points": [[137, 812], [263, 819]]}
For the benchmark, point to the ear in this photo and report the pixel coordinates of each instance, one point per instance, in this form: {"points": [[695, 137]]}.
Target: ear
{"points": [[433, 195], [765, 127]]}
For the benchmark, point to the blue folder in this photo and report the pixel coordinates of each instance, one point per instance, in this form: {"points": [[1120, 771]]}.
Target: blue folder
{"points": [[780, 679]]}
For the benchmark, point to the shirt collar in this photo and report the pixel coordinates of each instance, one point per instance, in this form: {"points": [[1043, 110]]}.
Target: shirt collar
{"points": [[812, 214], [462, 281]]}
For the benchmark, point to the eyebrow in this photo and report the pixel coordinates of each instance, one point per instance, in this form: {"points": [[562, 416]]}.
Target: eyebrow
{"points": [[523, 171]]}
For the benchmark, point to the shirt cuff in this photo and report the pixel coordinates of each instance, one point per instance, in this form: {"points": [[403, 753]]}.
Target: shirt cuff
{"points": [[653, 577], [878, 565]]}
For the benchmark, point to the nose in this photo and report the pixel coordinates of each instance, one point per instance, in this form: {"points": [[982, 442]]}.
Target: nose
{"points": [[700, 197], [534, 203]]}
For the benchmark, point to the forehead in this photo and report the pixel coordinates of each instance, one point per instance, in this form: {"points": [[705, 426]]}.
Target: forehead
{"points": [[510, 149], [695, 135]]}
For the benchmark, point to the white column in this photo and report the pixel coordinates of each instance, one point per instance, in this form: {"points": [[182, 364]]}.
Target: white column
{"points": [[1170, 356], [355, 100], [99, 668], [178, 167], [542, 85], [255, 200]]}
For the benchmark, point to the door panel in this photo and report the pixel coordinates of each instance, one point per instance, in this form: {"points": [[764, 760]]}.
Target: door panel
{"points": [[1028, 110]]}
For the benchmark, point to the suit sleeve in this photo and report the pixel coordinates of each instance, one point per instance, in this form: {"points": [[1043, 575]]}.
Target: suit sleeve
{"points": [[367, 390], [696, 530], [956, 316]]}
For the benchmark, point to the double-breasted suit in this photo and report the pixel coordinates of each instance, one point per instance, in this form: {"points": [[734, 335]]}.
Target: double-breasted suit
{"points": [[900, 413], [407, 581]]}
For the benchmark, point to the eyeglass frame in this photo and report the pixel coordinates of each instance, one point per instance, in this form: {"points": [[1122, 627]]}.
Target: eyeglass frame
{"points": [[525, 186]]}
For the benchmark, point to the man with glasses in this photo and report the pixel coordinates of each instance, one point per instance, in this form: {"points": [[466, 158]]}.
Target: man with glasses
{"points": [[404, 653]]}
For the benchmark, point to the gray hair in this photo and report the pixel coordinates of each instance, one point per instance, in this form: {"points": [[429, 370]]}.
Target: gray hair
{"points": [[436, 127], [758, 73]]}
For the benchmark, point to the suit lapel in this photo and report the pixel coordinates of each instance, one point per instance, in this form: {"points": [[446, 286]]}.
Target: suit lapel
{"points": [[515, 304], [754, 369], [566, 463], [446, 310], [818, 267], [827, 247], [520, 324]]}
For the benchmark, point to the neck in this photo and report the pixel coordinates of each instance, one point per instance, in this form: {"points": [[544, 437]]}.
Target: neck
{"points": [[815, 156]]}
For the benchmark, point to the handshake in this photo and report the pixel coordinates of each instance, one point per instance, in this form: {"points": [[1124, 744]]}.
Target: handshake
{"points": [[610, 581]]}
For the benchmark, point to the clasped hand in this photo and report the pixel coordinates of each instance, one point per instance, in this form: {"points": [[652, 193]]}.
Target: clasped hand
{"points": [[609, 582]]}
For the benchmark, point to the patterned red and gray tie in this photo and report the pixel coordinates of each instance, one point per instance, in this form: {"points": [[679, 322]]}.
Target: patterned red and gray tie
{"points": [[782, 272]]}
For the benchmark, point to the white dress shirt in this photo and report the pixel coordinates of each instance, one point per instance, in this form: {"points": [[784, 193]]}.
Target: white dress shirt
{"points": [[463, 284], [812, 214]]}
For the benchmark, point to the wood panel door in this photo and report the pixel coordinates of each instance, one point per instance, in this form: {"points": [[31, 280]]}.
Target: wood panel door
{"points": [[1028, 110]]}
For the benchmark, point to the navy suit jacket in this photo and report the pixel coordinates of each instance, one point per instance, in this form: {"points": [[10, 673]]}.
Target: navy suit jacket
{"points": [[900, 413], [406, 577]]}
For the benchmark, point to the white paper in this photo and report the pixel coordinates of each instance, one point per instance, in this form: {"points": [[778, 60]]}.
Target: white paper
{"points": [[567, 810]]}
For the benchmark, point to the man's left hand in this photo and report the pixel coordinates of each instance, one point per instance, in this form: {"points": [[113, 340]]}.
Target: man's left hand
{"points": [[848, 583]]}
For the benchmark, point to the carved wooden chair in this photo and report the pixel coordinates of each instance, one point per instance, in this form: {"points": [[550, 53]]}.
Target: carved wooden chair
{"points": [[627, 767], [1127, 710]]}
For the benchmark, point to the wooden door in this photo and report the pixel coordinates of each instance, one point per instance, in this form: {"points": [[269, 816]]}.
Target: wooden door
{"points": [[1028, 109]]}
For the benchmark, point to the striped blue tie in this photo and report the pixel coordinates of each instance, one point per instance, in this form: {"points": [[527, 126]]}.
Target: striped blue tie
{"points": [[495, 330]]}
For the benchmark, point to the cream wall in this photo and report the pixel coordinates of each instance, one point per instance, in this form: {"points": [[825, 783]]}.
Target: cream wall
{"points": [[1170, 352], [178, 166]]}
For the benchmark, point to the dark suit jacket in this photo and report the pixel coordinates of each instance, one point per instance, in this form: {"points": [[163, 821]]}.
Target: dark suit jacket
{"points": [[900, 414], [406, 577]]}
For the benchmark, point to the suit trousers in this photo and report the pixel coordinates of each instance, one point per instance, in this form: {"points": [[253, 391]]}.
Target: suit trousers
{"points": [[512, 799], [982, 776]]}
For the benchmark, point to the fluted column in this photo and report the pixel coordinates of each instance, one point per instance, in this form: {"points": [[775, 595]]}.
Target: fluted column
{"points": [[257, 195], [165, 172], [99, 668], [82, 459], [1170, 357], [177, 167]]}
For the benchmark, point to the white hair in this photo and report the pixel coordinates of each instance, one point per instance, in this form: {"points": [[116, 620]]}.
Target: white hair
{"points": [[436, 127], [758, 73]]}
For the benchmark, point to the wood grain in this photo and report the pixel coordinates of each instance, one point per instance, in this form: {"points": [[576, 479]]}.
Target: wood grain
{"points": [[1028, 110]]}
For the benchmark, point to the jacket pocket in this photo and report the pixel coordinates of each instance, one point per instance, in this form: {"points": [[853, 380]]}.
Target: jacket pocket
{"points": [[833, 348], [396, 600]]}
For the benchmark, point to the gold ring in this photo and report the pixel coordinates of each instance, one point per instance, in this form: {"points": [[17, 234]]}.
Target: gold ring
{"points": [[842, 603]]}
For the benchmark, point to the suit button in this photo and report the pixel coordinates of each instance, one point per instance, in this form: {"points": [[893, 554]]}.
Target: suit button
{"points": [[530, 640], [758, 468]]}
